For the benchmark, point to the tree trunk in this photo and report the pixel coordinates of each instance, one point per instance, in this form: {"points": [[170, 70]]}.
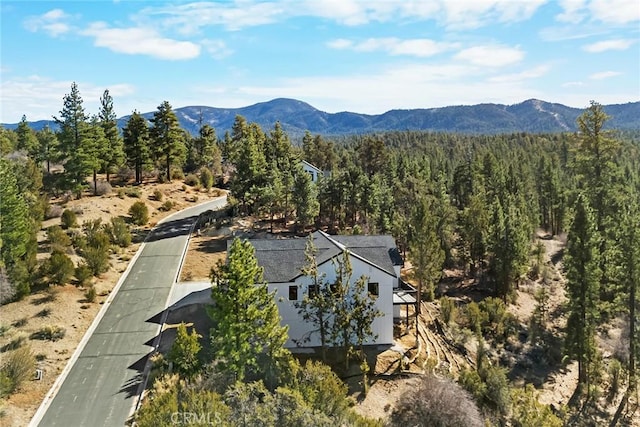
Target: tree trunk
{"points": [[95, 183], [168, 168]]}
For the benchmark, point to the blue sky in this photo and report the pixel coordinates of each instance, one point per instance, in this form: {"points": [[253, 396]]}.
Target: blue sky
{"points": [[337, 55]]}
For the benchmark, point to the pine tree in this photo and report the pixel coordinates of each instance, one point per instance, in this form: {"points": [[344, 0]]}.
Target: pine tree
{"points": [[245, 314], [316, 306], [113, 154], [509, 244], [14, 231], [629, 272], [47, 147], [167, 137], [72, 122], [426, 254], [305, 199], [136, 143], [27, 140], [353, 308], [95, 145], [184, 351], [583, 280]]}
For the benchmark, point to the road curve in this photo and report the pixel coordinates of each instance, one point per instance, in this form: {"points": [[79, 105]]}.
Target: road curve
{"points": [[102, 380]]}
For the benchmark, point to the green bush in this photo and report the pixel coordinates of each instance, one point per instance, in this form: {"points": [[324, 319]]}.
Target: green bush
{"points": [[83, 274], [177, 174], [49, 332], [157, 195], [133, 192], [59, 268], [18, 367], [90, 294], [97, 259], [206, 178], [498, 393], [167, 206], [192, 180], [57, 238], [118, 231], [139, 213], [68, 219], [448, 310]]}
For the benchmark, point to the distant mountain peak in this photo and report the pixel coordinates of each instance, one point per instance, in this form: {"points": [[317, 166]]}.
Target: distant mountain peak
{"points": [[296, 117]]}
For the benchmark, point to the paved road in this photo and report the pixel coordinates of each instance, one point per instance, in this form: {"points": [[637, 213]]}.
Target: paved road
{"points": [[102, 385]]}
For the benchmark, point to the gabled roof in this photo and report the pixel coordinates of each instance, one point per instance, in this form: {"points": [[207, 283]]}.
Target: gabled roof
{"points": [[283, 259], [312, 166]]}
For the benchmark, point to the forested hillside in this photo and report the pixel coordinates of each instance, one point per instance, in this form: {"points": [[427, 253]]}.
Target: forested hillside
{"points": [[296, 117], [452, 201]]}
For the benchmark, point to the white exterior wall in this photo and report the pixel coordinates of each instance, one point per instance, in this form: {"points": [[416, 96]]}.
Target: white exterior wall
{"points": [[382, 326], [311, 170]]}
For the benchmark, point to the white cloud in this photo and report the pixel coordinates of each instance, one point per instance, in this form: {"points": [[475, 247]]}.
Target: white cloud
{"points": [[39, 98], [189, 18], [140, 41], [216, 48], [615, 11], [572, 11], [491, 55], [532, 73], [572, 84], [394, 46], [604, 75], [477, 13], [605, 45], [54, 22], [608, 11]]}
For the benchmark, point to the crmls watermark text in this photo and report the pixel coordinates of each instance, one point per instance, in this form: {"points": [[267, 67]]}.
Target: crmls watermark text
{"points": [[186, 418]]}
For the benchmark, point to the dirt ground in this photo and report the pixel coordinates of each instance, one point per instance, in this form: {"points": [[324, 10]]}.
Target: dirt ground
{"points": [[66, 306]]}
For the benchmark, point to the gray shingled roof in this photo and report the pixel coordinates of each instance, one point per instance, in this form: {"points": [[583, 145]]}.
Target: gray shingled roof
{"points": [[283, 259]]}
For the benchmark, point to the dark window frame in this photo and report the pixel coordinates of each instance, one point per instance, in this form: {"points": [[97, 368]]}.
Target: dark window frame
{"points": [[373, 288], [293, 291]]}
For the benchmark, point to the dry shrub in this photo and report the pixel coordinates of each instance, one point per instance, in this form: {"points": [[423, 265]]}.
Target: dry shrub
{"points": [[18, 367], [53, 211], [49, 332], [192, 180], [436, 402], [103, 188], [139, 213], [91, 294]]}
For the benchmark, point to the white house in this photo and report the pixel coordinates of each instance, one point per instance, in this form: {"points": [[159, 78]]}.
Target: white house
{"points": [[312, 170], [375, 257]]}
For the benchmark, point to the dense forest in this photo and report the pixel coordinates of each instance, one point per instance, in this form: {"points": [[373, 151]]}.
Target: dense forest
{"points": [[451, 201]]}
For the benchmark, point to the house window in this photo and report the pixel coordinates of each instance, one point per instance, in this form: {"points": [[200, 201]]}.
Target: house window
{"points": [[374, 289], [313, 291], [293, 293]]}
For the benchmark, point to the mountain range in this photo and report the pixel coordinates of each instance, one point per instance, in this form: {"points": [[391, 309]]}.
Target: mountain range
{"points": [[296, 117]]}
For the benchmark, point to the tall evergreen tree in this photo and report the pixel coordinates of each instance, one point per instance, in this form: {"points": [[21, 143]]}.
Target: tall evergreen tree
{"points": [[245, 314], [136, 143], [72, 122], [113, 154], [95, 145], [427, 255], [14, 232], [167, 137], [27, 140], [316, 307], [629, 272], [305, 199], [583, 280], [47, 147]]}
